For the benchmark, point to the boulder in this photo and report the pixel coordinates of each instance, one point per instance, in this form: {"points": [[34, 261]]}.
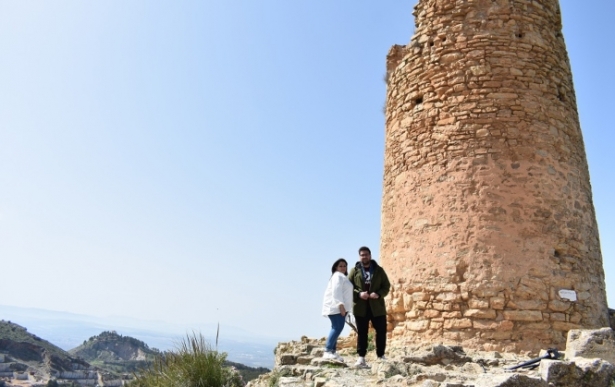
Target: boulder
{"points": [[579, 373], [509, 380], [591, 343], [439, 354]]}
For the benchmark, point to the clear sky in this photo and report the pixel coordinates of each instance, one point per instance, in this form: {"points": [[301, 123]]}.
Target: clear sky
{"points": [[207, 161]]}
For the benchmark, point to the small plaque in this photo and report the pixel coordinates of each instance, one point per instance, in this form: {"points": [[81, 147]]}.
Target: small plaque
{"points": [[568, 294]]}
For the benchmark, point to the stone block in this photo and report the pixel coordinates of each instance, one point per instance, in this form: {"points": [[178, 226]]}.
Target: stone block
{"points": [[480, 313], [458, 323], [477, 303], [559, 306], [564, 326], [523, 315], [578, 373], [396, 305], [509, 380], [420, 296], [287, 359], [497, 303], [417, 325], [598, 343]]}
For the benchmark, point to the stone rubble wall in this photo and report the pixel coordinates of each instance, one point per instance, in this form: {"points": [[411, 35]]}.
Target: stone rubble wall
{"points": [[487, 209]]}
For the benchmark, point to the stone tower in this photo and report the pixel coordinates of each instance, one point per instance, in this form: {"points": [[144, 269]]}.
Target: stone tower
{"points": [[489, 234]]}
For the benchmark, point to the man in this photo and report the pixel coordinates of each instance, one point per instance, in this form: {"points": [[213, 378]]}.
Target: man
{"points": [[371, 285]]}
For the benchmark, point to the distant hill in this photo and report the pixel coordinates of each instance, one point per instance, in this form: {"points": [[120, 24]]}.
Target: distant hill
{"points": [[114, 352], [69, 330], [26, 352], [106, 356]]}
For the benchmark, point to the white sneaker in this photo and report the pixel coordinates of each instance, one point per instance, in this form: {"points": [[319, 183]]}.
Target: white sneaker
{"points": [[382, 358], [338, 357], [360, 362], [329, 356]]}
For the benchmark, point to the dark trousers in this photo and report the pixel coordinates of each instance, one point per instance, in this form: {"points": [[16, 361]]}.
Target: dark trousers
{"points": [[380, 326]]}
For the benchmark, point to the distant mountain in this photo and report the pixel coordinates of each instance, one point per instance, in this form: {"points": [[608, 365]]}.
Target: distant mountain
{"points": [[24, 352], [69, 330], [114, 352]]}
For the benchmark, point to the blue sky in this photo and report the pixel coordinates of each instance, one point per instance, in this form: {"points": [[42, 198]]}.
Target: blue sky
{"points": [[207, 161]]}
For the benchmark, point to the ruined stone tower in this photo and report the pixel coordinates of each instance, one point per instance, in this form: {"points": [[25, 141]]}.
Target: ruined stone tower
{"points": [[489, 234]]}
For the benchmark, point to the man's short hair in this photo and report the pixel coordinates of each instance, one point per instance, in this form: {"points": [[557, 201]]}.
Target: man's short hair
{"points": [[365, 248]]}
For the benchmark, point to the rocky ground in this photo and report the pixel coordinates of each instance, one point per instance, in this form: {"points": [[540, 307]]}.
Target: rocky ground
{"points": [[582, 364]]}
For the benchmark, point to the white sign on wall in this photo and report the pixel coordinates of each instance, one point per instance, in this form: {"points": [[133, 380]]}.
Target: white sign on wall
{"points": [[568, 294]]}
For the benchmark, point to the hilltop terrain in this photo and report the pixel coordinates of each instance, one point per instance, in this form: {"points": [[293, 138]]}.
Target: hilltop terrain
{"points": [[27, 352], [114, 352], [103, 359], [124, 354]]}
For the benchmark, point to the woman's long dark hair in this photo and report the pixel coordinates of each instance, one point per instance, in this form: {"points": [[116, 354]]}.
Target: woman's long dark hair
{"points": [[334, 267]]}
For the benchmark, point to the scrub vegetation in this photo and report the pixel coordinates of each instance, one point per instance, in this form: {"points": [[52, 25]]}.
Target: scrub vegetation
{"points": [[194, 363]]}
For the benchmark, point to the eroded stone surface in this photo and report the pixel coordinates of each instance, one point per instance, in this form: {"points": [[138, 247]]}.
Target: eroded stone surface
{"points": [[432, 365], [598, 343]]}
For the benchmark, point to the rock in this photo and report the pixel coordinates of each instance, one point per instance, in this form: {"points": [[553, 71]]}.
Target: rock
{"points": [[578, 373], [289, 382], [439, 354], [587, 343], [435, 366], [596, 372], [509, 380], [319, 382], [288, 359], [559, 372], [320, 362]]}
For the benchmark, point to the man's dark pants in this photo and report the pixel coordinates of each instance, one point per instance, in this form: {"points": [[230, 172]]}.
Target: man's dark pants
{"points": [[380, 326]]}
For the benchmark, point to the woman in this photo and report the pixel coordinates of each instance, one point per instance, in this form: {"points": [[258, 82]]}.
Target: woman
{"points": [[337, 302]]}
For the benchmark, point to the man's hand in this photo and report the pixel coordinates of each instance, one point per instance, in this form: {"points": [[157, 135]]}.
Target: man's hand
{"points": [[363, 295], [374, 295]]}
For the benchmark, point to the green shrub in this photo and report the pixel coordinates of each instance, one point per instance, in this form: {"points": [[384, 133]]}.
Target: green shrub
{"points": [[274, 380], [370, 341], [193, 364]]}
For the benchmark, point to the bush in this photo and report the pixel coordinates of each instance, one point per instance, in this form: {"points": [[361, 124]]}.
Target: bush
{"points": [[370, 341], [193, 364]]}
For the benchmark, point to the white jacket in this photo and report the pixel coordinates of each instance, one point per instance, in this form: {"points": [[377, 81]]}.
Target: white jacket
{"points": [[339, 291]]}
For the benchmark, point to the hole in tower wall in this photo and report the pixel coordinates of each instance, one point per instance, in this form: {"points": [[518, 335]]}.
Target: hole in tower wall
{"points": [[519, 35], [418, 100], [557, 254]]}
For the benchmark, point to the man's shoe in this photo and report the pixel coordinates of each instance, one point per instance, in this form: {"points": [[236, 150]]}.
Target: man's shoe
{"points": [[360, 362], [338, 357], [329, 356], [382, 358]]}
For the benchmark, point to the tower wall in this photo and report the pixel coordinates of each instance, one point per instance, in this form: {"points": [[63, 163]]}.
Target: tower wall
{"points": [[487, 208]]}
